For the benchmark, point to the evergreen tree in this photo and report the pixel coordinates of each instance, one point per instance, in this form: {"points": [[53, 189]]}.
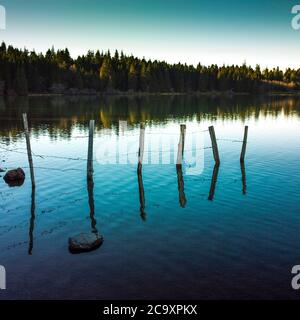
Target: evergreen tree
{"points": [[106, 74], [22, 71], [20, 84]]}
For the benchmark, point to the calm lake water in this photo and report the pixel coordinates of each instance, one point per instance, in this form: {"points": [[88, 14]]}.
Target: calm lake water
{"points": [[242, 243]]}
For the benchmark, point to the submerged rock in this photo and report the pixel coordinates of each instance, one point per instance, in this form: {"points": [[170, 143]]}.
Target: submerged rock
{"points": [[85, 242], [15, 177], [2, 170]]}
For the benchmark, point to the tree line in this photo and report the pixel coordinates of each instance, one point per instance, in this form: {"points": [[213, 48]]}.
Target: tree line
{"points": [[23, 72]]}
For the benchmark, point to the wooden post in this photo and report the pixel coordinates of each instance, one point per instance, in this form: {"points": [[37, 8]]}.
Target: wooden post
{"points": [[242, 159], [214, 144], [90, 168], [182, 133], [141, 145], [180, 151], [25, 122], [213, 182]]}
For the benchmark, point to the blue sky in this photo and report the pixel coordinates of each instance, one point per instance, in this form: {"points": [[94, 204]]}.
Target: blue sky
{"points": [[190, 31]]}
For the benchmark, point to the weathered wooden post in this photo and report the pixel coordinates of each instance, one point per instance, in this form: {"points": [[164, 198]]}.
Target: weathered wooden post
{"points": [[214, 144], [242, 159], [90, 168], [213, 182], [182, 134], [90, 178], [180, 150], [25, 122], [141, 146]]}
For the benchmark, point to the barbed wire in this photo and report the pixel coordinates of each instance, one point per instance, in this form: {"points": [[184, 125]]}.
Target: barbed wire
{"points": [[230, 140], [147, 133], [40, 155], [53, 169], [95, 160], [70, 158]]}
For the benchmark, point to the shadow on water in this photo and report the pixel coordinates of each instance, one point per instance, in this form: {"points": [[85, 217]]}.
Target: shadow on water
{"points": [[213, 182], [86, 242], [244, 182], [32, 220], [141, 192], [59, 116], [182, 198], [90, 188], [66, 120]]}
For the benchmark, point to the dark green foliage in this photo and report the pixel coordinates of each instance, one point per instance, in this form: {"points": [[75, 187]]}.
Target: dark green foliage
{"points": [[22, 71], [20, 82]]}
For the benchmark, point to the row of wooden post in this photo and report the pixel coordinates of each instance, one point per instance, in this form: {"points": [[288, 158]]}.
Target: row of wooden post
{"points": [[180, 154], [182, 142], [141, 147], [215, 144], [217, 161]]}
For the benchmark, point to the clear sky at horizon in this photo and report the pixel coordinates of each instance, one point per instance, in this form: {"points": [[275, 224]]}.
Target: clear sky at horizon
{"points": [[188, 31]]}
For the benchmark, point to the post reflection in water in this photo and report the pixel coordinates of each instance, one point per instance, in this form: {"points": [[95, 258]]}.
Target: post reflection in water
{"points": [[32, 220], [244, 182], [97, 275], [182, 198], [213, 182], [90, 188], [64, 114], [141, 192], [87, 241]]}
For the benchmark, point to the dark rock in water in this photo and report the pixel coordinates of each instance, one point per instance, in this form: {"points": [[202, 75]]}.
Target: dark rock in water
{"points": [[85, 242], [15, 177], [1, 170]]}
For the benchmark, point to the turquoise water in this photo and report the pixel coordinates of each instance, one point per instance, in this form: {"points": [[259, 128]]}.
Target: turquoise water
{"points": [[242, 243]]}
